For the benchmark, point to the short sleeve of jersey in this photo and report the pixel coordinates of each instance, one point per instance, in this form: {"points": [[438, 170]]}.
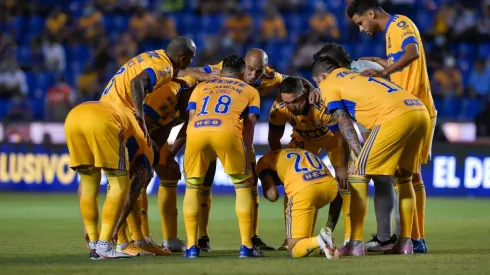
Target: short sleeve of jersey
{"points": [[211, 68], [277, 79], [278, 114], [331, 96], [159, 69], [254, 103], [406, 31]]}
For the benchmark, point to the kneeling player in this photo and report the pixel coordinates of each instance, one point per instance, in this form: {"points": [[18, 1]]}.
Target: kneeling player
{"points": [[309, 187]]}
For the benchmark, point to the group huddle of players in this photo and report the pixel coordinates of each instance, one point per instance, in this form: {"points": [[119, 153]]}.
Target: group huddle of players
{"points": [[125, 134]]}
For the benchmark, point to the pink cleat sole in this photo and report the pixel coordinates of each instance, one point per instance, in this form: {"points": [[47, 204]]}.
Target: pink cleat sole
{"points": [[346, 251], [401, 249]]}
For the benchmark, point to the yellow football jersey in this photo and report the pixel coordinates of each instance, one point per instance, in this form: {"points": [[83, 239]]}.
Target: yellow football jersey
{"points": [[270, 79], [314, 123], [369, 100], [296, 168], [161, 104], [155, 63], [220, 105], [401, 31]]}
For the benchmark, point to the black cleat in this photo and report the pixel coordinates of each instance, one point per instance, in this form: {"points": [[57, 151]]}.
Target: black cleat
{"points": [[203, 243], [259, 244]]}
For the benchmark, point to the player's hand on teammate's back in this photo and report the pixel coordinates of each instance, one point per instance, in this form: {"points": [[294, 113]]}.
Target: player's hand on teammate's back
{"points": [[342, 177], [213, 75], [315, 96]]}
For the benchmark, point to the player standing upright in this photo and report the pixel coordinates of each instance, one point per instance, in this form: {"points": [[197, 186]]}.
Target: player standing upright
{"points": [[405, 66], [222, 116], [97, 133], [399, 123]]}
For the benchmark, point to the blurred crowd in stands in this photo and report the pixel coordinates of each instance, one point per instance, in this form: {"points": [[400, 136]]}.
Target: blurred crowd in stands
{"points": [[55, 54]]}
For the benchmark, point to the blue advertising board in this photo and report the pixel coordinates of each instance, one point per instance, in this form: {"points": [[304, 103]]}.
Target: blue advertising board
{"points": [[455, 170]]}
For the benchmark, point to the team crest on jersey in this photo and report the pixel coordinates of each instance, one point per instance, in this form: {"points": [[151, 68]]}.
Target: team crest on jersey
{"points": [[165, 72]]}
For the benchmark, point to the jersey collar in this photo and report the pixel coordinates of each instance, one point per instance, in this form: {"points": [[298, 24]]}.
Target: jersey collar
{"points": [[391, 20]]}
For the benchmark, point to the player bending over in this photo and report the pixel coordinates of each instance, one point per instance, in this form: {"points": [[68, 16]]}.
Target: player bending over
{"points": [[398, 122], [385, 199], [314, 128], [406, 66], [309, 187], [222, 116]]}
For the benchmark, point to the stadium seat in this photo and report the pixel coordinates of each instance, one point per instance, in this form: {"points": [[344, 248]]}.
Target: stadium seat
{"points": [[37, 107], [470, 108], [120, 23], [23, 55], [466, 50], [36, 25], [211, 24], [484, 50], [424, 20], [44, 81], [3, 108], [190, 22]]}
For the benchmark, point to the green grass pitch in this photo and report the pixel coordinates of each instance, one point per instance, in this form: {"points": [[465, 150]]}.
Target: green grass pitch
{"points": [[41, 234]]}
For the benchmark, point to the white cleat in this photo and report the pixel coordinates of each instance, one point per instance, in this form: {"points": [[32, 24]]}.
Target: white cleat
{"points": [[329, 248], [175, 245], [105, 251]]}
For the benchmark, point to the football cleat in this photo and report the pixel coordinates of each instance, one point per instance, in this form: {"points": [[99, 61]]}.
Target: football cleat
{"points": [[376, 245], [346, 241], [349, 250], [329, 249], [93, 251], [246, 252], [175, 245], [404, 249], [133, 250], [259, 244], [203, 243], [284, 245], [419, 246], [150, 246], [192, 252], [425, 244], [105, 251]]}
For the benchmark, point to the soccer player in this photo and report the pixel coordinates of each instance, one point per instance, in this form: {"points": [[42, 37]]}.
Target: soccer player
{"points": [[222, 116], [399, 123], [309, 187], [405, 66], [97, 133], [165, 108], [314, 128], [384, 195], [259, 75]]}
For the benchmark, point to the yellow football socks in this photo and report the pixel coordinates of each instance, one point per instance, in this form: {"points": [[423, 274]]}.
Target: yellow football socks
{"points": [[304, 247], [206, 199], [116, 196], [406, 205], [145, 224], [191, 209], [135, 222], [89, 191], [420, 198], [244, 210], [358, 206], [167, 205], [285, 206], [255, 196], [346, 212], [122, 236]]}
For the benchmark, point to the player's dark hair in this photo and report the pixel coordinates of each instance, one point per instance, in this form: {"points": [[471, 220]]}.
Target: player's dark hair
{"points": [[292, 85], [324, 65], [361, 6], [233, 64], [334, 51]]}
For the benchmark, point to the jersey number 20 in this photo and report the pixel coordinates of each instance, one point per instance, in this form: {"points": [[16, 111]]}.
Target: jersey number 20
{"points": [[222, 105], [314, 161]]}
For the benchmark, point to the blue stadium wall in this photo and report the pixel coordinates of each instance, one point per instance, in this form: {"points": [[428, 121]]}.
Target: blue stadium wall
{"points": [[456, 170]]}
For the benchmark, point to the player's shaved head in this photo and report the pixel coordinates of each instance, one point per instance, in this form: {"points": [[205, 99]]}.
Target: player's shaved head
{"points": [[256, 61], [181, 50], [336, 52]]}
